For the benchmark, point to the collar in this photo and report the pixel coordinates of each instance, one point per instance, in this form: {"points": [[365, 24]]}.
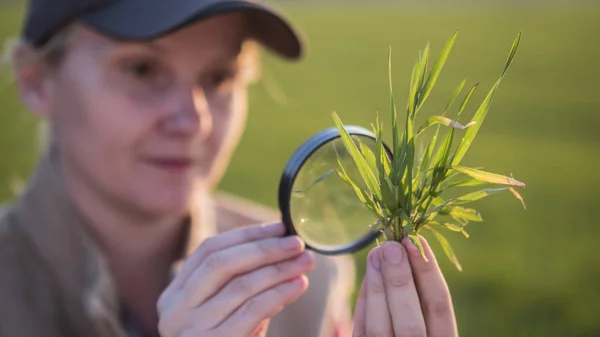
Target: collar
{"points": [[55, 228]]}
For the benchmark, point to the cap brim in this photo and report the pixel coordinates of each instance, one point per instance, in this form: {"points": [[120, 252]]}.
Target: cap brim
{"points": [[149, 19]]}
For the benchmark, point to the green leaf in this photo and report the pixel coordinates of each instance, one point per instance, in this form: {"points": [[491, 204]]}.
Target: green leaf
{"points": [[462, 181], [441, 160], [470, 197], [378, 130], [451, 227], [464, 215], [446, 247], [488, 177], [437, 201], [394, 115], [474, 196], [456, 228], [410, 157], [426, 160], [366, 173], [369, 157], [513, 51], [423, 71], [466, 100], [433, 120], [437, 68], [454, 96], [364, 199], [414, 238], [388, 193], [387, 164], [483, 109], [413, 90], [341, 172], [316, 181]]}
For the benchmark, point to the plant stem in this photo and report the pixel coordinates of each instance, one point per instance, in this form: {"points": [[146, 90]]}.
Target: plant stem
{"points": [[429, 201]]}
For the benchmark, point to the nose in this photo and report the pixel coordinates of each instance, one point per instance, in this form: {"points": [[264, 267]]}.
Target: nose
{"points": [[191, 117]]}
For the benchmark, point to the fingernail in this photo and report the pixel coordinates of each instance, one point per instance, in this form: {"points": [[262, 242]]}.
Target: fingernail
{"points": [[374, 257], [299, 280], [392, 252], [306, 258], [291, 243]]}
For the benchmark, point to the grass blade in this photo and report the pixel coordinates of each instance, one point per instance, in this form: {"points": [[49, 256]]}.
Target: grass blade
{"points": [[436, 70], [467, 198], [454, 96], [369, 156], [429, 150], [513, 51], [474, 196], [465, 181], [423, 71], [451, 227], [446, 247], [378, 130], [414, 238], [316, 181], [518, 196], [394, 115], [483, 109], [365, 200], [464, 215], [488, 177], [465, 101], [410, 157], [413, 89], [441, 159], [366, 173], [433, 120]]}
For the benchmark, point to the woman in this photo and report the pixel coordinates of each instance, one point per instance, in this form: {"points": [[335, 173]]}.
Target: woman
{"points": [[118, 232]]}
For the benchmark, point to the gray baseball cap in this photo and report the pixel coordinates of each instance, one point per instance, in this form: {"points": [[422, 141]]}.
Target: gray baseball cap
{"points": [[147, 19]]}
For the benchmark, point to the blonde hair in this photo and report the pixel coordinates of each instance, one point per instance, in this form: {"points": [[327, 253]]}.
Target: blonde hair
{"points": [[52, 53]]}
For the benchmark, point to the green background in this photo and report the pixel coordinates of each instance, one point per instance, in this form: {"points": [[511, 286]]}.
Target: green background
{"points": [[531, 272]]}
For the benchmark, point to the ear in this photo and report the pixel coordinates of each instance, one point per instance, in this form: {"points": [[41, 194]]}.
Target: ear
{"points": [[32, 79]]}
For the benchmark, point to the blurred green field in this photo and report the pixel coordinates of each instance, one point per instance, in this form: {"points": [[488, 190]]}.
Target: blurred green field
{"points": [[531, 272]]}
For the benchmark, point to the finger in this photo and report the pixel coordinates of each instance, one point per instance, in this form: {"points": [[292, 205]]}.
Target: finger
{"points": [[402, 297], [261, 329], [260, 307], [244, 287], [378, 320], [436, 302], [360, 311], [225, 240], [222, 266]]}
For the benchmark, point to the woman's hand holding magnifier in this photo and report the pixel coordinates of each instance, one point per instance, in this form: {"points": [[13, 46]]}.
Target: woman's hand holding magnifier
{"points": [[402, 295], [234, 283]]}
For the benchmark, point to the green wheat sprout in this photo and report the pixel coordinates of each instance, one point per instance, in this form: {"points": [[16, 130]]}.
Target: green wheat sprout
{"points": [[405, 191]]}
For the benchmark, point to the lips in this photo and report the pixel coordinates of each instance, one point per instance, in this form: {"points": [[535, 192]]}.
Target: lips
{"points": [[173, 165]]}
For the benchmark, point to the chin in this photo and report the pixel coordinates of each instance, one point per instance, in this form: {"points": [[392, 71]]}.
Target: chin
{"points": [[167, 201]]}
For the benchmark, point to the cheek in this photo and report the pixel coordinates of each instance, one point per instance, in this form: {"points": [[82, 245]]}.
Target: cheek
{"points": [[99, 128], [229, 122]]}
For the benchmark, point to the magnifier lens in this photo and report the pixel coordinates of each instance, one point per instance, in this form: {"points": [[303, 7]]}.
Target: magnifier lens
{"points": [[325, 210]]}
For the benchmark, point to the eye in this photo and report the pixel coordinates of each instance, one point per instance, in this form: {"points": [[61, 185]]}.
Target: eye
{"points": [[140, 69], [221, 78]]}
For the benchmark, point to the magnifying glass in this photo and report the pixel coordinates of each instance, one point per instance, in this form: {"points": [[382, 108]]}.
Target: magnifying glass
{"points": [[320, 207]]}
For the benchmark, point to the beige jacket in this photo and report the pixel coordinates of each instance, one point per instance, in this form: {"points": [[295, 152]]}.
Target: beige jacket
{"points": [[54, 280]]}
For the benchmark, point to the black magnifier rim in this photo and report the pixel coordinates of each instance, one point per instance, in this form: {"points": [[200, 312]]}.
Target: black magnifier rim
{"points": [[292, 169]]}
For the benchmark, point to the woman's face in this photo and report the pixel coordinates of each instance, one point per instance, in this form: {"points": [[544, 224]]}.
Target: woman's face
{"points": [[145, 123]]}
